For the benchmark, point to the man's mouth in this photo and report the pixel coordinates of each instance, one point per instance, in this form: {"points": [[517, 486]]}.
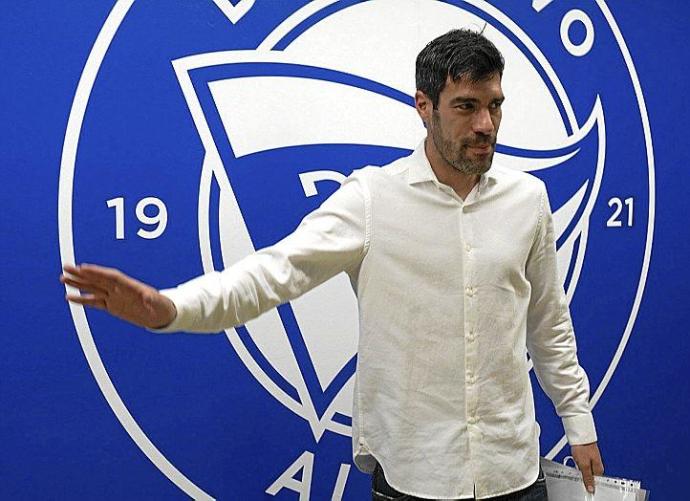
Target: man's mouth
{"points": [[481, 148]]}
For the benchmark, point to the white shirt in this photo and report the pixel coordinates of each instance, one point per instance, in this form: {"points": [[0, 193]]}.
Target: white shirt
{"points": [[452, 294]]}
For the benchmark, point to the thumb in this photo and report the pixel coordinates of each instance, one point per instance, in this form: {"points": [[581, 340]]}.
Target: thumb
{"points": [[588, 476]]}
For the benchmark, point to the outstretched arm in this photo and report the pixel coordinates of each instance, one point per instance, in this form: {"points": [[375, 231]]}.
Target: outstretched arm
{"points": [[331, 239]]}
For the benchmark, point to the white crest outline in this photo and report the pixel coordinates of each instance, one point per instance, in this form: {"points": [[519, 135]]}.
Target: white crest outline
{"points": [[67, 254]]}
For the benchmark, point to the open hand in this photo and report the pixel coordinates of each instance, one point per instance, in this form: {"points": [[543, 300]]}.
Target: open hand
{"points": [[120, 295], [588, 460]]}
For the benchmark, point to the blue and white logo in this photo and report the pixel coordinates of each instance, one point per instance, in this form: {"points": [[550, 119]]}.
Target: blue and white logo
{"points": [[325, 90]]}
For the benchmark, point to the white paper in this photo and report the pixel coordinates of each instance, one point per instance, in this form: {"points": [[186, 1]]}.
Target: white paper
{"points": [[565, 484]]}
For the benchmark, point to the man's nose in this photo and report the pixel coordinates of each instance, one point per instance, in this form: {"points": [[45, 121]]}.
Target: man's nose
{"points": [[482, 123]]}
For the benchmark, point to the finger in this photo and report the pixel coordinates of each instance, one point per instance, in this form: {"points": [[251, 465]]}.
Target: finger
{"points": [[82, 285], [69, 268], [112, 279], [102, 277], [87, 300], [598, 466], [88, 296], [76, 271], [587, 476], [105, 270]]}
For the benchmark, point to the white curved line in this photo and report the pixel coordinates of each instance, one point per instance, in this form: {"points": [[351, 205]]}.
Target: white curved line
{"points": [[526, 164], [65, 192], [650, 221], [652, 198], [203, 213], [596, 117], [286, 26]]}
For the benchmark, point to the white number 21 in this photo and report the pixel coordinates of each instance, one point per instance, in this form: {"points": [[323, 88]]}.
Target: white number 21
{"points": [[614, 221]]}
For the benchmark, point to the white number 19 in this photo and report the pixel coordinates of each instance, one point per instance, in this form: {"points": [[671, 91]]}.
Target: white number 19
{"points": [[160, 218]]}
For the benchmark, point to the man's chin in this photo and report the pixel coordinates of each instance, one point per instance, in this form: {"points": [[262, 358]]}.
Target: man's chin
{"points": [[473, 169]]}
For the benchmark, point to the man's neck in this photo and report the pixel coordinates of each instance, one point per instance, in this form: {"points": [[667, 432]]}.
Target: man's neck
{"points": [[461, 183]]}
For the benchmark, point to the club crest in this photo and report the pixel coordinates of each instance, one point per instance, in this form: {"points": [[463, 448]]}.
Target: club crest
{"points": [[329, 89]]}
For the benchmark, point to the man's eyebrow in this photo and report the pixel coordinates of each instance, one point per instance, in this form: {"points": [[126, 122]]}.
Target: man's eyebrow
{"points": [[464, 99], [468, 99]]}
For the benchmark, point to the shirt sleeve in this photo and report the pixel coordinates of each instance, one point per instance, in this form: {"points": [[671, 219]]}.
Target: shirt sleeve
{"points": [[550, 336], [332, 239]]}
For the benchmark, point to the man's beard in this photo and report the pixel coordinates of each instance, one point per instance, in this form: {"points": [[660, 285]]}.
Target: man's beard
{"points": [[455, 154]]}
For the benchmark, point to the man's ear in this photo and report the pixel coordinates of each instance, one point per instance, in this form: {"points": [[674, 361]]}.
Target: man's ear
{"points": [[423, 105]]}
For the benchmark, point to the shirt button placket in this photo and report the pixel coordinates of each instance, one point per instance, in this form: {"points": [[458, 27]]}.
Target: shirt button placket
{"points": [[470, 336], [472, 282]]}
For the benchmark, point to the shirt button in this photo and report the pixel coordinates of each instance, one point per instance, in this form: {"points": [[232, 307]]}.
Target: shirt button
{"points": [[468, 247], [469, 291], [473, 420]]}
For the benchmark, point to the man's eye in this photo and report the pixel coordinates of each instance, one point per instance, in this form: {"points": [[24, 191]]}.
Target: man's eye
{"points": [[464, 106], [496, 104]]}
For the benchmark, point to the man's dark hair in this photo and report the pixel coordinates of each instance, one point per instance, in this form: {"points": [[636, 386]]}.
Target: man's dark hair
{"points": [[459, 54]]}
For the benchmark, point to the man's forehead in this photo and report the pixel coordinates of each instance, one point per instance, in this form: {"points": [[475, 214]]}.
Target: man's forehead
{"points": [[487, 87]]}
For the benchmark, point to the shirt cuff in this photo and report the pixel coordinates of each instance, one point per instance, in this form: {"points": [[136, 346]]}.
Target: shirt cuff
{"points": [[580, 429], [182, 318]]}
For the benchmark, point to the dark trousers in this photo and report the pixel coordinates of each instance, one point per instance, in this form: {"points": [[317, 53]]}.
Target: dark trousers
{"points": [[381, 491]]}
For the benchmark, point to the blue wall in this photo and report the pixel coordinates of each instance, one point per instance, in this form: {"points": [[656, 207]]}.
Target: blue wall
{"points": [[192, 402]]}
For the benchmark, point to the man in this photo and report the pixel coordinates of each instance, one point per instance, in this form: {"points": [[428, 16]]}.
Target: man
{"points": [[454, 265]]}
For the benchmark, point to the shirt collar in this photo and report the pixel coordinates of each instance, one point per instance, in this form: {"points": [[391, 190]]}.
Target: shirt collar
{"points": [[420, 170]]}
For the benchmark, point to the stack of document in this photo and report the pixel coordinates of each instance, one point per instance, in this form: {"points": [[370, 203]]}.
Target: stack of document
{"points": [[565, 484]]}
